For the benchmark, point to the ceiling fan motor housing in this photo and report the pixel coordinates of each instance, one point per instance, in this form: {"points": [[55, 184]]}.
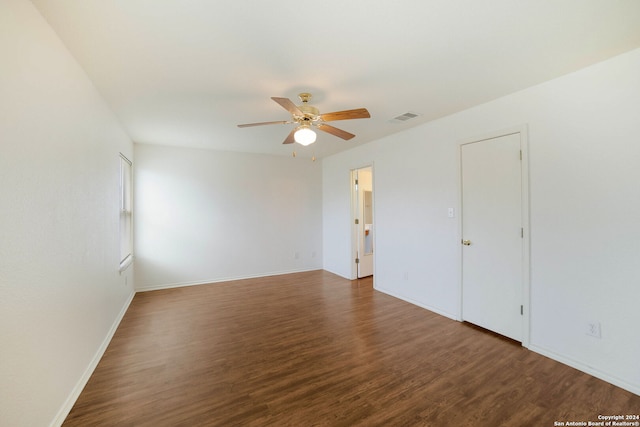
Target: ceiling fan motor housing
{"points": [[310, 112]]}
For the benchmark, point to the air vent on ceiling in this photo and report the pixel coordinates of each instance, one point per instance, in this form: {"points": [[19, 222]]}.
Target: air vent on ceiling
{"points": [[404, 117]]}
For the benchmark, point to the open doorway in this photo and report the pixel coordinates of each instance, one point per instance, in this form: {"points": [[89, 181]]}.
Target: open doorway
{"points": [[363, 222]]}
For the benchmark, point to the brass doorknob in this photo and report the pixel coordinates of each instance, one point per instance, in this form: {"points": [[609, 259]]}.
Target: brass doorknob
{"points": [[466, 242]]}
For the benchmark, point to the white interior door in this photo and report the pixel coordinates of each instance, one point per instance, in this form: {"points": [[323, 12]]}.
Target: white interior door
{"points": [[492, 235], [364, 221]]}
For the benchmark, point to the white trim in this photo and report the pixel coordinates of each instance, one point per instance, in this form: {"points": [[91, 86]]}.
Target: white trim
{"points": [[492, 135], [82, 382], [126, 263], [633, 388], [419, 304], [354, 213], [336, 273], [526, 244], [127, 260], [522, 130], [373, 208], [220, 279]]}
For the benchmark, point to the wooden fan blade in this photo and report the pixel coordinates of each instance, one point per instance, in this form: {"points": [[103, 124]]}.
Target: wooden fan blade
{"points": [[290, 139], [335, 131], [279, 122], [288, 105], [358, 113]]}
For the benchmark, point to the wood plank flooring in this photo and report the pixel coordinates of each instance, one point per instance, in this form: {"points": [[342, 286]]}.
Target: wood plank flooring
{"points": [[313, 349]]}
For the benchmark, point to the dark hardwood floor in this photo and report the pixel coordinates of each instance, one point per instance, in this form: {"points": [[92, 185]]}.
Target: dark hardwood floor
{"points": [[313, 349]]}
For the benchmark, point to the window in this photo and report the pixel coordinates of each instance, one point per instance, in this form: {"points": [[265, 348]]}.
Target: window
{"points": [[126, 225]]}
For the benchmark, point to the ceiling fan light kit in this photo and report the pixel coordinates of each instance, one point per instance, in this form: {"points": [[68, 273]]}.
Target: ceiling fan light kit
{"points": [[304, 135], [307, 116]]}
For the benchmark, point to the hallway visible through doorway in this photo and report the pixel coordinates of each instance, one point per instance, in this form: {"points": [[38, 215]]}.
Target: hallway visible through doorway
{"points": [[363, 223]]}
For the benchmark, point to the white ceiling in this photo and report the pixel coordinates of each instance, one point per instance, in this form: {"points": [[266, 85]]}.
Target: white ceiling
{"points": [[184, 73]]}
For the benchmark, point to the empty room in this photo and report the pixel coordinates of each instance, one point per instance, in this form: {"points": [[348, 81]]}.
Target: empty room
{"points": [[411, 213]]}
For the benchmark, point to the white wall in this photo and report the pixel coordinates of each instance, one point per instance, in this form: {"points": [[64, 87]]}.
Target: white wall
{"points": [[204, 216], [584, 149], [60, 290]]}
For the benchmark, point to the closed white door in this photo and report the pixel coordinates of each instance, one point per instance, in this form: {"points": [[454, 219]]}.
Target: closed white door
{"points": [[492, 235]]}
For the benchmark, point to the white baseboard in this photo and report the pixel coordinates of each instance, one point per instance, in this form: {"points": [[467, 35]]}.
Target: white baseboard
{"points": [[419, 304], [633, 388], [219, 280], [337, 274], [75, 393], [82, 382]]}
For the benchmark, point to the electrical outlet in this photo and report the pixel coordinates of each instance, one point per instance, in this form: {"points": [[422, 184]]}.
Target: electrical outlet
{"points": [[593, 329]]}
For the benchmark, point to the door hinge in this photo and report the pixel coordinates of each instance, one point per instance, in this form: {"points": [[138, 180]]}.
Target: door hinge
{"points": [[522, 232], [357, 260], [357, 221], [520, 154], [356, 181], [522, 310]]}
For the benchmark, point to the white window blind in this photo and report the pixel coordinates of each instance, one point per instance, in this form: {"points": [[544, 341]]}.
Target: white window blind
{"points": [[126, 224]]}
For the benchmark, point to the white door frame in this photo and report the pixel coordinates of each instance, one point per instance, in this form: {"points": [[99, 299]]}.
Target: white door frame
{"points": [[526, 281], [354, 213]]}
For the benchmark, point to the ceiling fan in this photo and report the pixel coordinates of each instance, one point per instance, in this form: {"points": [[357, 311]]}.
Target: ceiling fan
{"points": [[307, 117]]}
